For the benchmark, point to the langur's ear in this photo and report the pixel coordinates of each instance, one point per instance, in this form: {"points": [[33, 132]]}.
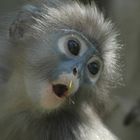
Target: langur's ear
{"points": [[20, 28]]}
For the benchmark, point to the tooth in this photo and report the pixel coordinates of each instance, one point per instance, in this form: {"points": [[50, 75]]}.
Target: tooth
{"points": [[70, 85]]}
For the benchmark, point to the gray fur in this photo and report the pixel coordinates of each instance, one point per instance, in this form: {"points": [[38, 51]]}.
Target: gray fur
{"points": [[34, 57]]}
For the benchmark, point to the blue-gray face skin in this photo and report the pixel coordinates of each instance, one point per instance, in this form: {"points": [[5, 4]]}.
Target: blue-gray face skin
{"points": [[76, 52]]}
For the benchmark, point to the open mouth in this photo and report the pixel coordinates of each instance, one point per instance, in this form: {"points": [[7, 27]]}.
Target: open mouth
{"points": [[60, 90]]}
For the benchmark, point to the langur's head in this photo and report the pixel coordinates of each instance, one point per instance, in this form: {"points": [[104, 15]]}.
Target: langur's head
{"points": [[68, 53]]}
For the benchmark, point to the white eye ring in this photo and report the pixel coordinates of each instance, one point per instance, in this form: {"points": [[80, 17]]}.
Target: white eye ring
{"points": [[94, 68], [75, 42]]}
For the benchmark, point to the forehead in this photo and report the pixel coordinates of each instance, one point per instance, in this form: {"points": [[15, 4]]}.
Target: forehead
{"points": [[84, 19], [71, 33]]}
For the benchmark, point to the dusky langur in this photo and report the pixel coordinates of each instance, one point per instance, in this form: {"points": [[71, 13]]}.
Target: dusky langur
{"points": [[63, 59]]}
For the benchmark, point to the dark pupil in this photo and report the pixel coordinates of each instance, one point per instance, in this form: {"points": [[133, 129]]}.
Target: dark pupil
{"points": [[74, 47], [93, 68]]}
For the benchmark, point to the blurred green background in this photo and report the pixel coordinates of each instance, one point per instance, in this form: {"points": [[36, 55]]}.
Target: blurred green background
{"points": [[126, 16]]}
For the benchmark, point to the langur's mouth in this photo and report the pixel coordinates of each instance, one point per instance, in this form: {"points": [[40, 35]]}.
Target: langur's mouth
{"points": [[63, 90], [60, 90]]}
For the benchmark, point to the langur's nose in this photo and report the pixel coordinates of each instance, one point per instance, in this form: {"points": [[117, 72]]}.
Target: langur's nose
{"points": [[75, 71], [60, 90]]}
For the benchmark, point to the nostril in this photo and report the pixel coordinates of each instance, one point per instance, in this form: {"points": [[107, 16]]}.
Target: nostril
{"points": [[75, 71], [60, 89]]}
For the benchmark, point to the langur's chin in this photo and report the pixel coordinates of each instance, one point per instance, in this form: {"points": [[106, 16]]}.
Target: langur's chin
{"points": [[55, 94]]}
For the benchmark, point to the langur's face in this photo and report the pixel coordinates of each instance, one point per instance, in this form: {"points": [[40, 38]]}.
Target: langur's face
{"points": [[59, 66], [70, 52]]}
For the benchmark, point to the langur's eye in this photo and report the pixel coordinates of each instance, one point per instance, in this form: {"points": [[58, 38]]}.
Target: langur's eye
{"points": [[74, 46], [93, 67]]}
